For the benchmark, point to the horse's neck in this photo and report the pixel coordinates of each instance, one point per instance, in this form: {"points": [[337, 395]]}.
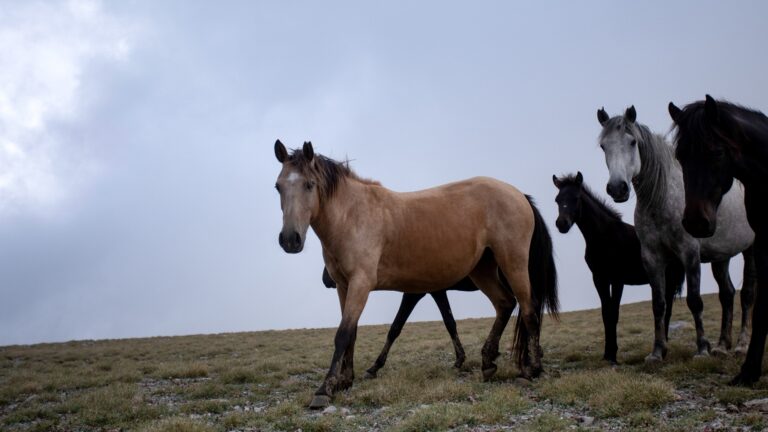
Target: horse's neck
{"points": [[341, 212], [659, 169], [592, 220]]}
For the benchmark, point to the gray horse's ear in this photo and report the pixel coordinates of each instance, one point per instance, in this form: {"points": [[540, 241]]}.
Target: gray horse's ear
{"points": [[556, 181], [280, 152], [630, 114], [309, 152], [674, 111], [710, 109], [602, 116], [579, 178]]}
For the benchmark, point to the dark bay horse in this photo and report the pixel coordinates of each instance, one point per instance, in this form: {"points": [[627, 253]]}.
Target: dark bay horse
{"points": [[407, 304], [636, 156], [417, 242], [718, 141], [612, 252]]}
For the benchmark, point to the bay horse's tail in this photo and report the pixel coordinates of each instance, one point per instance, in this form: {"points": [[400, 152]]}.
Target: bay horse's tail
{"points": [[543, 277]]}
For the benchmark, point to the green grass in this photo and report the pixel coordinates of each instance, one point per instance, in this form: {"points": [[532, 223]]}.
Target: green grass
{"points": [[264, 380]]}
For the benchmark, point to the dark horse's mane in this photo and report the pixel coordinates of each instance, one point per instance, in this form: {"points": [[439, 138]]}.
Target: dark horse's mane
{"points": [[326, 171], [734, 120], [600, 203]]}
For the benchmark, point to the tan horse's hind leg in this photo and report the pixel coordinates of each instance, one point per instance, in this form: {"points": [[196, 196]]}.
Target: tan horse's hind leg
{"points": [[485, 276]]}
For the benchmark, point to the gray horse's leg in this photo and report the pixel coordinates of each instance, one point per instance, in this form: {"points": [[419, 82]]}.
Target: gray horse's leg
{"points": [[441, 298], [407, 304], [747, 299], [726, 293], [695, 304], [655, 267]]}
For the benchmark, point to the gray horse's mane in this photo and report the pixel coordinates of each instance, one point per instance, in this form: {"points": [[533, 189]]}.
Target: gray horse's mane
{"points": [[657, 157]]}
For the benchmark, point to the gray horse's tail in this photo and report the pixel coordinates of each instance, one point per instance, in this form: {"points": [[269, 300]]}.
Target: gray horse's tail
{"points": [[543, 275]]}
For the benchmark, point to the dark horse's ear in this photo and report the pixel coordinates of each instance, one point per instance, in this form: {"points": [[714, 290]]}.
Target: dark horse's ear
{"points": [[602, 116], [556, 181], [710, 110], [630, 114], [280, 152], [674, 111], [309, 152], [579, 178]]}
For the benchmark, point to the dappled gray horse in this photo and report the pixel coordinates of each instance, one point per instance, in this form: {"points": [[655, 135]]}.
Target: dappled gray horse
{"points": [[636, 155]]}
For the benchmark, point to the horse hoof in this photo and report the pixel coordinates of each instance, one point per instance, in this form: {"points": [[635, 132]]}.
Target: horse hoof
{"points": [[320, 401], [745, 380], [741, 349], [488, 373], [720, 351], [523, 381], [369, 375], [652, 358], [701, 354]]}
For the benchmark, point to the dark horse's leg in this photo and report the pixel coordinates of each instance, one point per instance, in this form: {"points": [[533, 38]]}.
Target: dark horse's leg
{"points": [[748, 287], [752, 367], [617, 290], [406, 307], [604, 291], [441, 298], [726, 294], [340, 373]]}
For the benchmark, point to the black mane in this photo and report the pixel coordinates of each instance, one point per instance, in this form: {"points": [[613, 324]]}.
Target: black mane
{"points": [[327, 172], [734, 118]]}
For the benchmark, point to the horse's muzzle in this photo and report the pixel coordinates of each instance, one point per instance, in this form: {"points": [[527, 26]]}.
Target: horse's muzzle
{"points": [[699, 226], [291, 242], [619, 191], [563, 225]]}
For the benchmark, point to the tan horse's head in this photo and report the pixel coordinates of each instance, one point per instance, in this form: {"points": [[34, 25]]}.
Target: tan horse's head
{"points": [[299, 194]]}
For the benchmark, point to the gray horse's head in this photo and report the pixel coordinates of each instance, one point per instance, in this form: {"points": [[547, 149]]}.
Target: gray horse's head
{"points": [[618, 140]]}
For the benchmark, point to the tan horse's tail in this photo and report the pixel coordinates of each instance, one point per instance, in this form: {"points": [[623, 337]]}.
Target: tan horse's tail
{"points": [[543, 276]]}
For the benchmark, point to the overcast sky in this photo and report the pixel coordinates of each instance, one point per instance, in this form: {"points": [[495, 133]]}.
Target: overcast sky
{"points": [[136, 139]]}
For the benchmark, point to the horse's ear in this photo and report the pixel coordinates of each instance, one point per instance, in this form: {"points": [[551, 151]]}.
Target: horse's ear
{"points": [[280, 152], [674, 111], [309, 152], [602, 116], [710, 109], [556, 181], [579, 178], [630, 114]]}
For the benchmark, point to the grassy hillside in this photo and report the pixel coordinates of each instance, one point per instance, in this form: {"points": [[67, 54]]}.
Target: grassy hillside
{"points": [[264, 380]]}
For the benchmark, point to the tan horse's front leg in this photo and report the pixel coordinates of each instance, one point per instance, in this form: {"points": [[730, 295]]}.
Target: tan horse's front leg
{"points": [[341, 373]]}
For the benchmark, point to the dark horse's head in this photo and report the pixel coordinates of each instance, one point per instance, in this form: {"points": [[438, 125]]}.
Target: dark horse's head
{"points": [[568, 200], [305, 182], [706, 152]]}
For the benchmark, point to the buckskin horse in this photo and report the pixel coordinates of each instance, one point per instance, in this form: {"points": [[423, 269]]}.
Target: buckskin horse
{"points": [[377, 239]]}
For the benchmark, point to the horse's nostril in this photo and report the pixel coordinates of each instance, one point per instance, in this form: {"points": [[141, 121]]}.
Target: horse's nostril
{"points": [[296, 238], [280, 238]]}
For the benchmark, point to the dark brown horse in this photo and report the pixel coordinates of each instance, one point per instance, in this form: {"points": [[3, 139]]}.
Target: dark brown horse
{"points": [[407, 304], [718, 141], [612, 252], [417, 242]]}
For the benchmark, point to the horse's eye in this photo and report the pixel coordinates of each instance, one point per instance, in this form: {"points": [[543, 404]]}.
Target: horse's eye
{"points": [[633, 143], [309, 185]]}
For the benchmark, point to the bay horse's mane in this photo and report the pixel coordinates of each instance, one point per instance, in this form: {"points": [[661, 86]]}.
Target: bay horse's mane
{"points": [[699, 131], [327, 172], [602, 204]]}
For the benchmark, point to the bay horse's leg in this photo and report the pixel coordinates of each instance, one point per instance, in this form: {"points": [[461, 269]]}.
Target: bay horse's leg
{"points": [[441, 298], [606, 307], [407, 304], [726, 294], [692, 264], [655, 267], [752, 367], [353, 299], [748, 287], [617, 290]]}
